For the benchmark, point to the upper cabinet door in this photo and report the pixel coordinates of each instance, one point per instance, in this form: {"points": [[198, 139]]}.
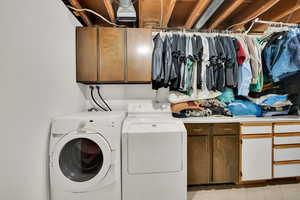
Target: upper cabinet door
{"points": [[86, 50], [111, 55], [139, 54]]}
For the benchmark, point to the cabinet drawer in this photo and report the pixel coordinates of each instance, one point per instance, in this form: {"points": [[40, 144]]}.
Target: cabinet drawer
{"points": [[286, 154], [226, 129], [286, 139], [286, 170], [198, 129], [263, 128], [287, 127]]}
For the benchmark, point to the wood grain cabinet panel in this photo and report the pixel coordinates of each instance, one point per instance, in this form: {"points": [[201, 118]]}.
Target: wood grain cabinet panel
{"points": [[213, 153], [139, 54], [226, 129], [111, 55], [86, 54], [198, 129], [198, 160], [225, 159]]}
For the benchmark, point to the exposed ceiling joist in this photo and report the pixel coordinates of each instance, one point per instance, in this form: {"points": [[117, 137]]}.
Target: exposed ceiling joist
{"points": [[278, 12], [83, 15], [218, 20], [150, 13], [168, 10], [254, 11], [293, 18], [197, 12], [110, 10], [284, 14]]}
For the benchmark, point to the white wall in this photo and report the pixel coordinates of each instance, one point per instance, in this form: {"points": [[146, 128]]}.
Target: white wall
{"points": [[37, 82], [118, 95]]}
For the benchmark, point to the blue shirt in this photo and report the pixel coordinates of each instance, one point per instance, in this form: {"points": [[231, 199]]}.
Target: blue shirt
{"points": [[245, 77]]}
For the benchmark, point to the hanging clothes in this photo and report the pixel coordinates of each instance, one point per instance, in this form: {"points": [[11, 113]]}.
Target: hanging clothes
{"points": [[198, 54], [245, 72], [187, 68], [157, 63], [175, 61], [168, 67], [279, 56], [220, 73], [192, 62]]}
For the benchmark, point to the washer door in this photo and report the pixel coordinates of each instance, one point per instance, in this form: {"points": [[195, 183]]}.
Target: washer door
{"points": [[81, 161]]}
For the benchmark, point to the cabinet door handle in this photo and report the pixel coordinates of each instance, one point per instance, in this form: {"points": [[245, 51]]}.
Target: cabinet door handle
{"points": [[198, 129]]}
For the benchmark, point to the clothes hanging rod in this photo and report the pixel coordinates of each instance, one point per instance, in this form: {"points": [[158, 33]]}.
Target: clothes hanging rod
{"points": [[200, 30], [257, 20]]}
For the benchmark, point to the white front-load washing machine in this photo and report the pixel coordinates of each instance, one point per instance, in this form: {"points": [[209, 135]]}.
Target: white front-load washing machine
{"points": [[154, 154], [85, 156]]}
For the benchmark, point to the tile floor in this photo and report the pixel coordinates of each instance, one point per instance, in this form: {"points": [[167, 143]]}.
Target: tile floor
{"points": [[276, 192]]}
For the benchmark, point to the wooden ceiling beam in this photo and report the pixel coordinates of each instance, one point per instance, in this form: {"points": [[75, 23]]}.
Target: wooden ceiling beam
{"points": [[294, 19], [226, 14], [282, 10], [168, 10], [197, 12], [110, 10], [258, 9], [151, 13], [83, 15]]}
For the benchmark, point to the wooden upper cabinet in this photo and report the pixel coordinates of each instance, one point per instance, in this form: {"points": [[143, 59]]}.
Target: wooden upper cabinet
{"points": [[111, 55], [139, 54], [86, 54]]}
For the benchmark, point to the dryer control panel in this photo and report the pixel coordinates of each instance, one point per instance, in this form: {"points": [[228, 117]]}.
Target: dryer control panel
{"points": [[148, 108]]}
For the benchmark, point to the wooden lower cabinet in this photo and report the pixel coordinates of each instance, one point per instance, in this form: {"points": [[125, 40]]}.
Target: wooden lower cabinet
{"points": [[225, 159], [198, 160], [213, 153]]}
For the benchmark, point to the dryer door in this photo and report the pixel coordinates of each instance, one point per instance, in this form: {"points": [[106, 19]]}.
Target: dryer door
{"points": [[80, 162]]}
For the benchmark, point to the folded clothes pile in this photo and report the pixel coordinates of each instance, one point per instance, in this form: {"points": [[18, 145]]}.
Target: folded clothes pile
{"points": [[264, 106], [273, 104], [200, 108]]}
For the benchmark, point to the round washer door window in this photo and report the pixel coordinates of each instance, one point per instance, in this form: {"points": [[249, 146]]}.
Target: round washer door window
{"points": [[81, 159]]}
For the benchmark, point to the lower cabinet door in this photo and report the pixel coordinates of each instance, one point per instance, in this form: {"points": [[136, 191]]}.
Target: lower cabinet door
{"points": [[225, 159], [198, 160], [256, 159]]}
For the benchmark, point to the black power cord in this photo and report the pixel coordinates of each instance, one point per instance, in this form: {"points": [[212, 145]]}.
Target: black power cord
{"points": [[98, 89], [92, 95]]}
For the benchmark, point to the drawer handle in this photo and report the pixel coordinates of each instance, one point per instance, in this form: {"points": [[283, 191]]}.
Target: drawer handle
{"points": [[198, 129], [228, 129]]}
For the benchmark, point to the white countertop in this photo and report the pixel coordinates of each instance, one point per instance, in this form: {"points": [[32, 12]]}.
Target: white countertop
{"points": [[290, 118]]}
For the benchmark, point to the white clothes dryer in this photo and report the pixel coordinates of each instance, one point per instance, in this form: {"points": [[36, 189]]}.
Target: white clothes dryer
{"points": [[154, 154], [84, 156]]}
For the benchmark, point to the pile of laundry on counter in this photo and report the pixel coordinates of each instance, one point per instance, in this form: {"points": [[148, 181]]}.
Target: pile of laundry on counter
{"points": [[200, 108], [228, 75]]}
